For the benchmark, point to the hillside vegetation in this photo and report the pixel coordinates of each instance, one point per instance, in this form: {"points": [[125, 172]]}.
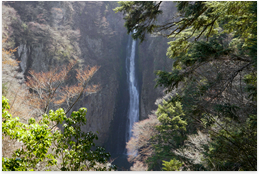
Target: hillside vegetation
{"points": [[207, 119]]}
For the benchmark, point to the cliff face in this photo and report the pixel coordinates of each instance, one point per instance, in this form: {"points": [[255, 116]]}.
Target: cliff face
{"points": [[49, 34], [152, 57], [102, 43]]}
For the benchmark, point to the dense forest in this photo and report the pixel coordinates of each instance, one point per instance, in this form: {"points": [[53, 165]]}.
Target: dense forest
{"points": [[198, 104]]}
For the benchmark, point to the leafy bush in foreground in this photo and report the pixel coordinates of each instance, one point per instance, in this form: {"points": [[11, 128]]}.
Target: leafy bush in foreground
{"points": [[73, 146]]}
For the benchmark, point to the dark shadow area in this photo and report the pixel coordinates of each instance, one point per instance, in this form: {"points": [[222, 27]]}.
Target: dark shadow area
{"points": [[117, 133]]}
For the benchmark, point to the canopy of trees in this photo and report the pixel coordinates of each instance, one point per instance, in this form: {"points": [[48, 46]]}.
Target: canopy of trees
{"points": [[208, 120]]}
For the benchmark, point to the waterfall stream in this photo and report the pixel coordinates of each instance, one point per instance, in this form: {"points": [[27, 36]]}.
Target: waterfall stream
{"points": [[133, 111], [127, 112]]}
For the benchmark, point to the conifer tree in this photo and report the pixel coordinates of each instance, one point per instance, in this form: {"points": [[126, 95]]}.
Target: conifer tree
{"points": [[214, 48]]}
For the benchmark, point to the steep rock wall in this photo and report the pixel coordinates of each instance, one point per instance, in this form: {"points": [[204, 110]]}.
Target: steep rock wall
{"points": [[152, 57], [49, 34], [101, 43]]}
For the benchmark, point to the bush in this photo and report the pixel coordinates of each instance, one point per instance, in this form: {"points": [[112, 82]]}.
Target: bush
{"points": [[74, 146]]}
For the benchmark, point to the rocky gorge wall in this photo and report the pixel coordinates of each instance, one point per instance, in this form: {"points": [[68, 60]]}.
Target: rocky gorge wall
{"points": [[152, 57], [49, 34]]}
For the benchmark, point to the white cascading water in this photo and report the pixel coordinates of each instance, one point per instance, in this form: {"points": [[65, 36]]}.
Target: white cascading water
{"points": [[133, 112]]}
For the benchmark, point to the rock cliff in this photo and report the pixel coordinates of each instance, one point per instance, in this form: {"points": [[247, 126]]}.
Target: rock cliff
{"points": [[49, 34], [152, 57]]}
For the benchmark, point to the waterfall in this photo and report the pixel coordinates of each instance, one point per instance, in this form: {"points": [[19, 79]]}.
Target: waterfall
{"points": [[133, 112], [22, 53]]}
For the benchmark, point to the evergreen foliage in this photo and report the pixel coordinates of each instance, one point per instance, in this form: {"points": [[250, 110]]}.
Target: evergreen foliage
{"points": [[139, 16], [170, 133], [214, 48], [173, 165]]}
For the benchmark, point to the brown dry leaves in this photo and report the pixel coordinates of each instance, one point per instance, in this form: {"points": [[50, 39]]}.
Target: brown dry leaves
{"points": [[49, 87], [86, 75], [48, 80], [44, 85], [7, 54], [141, 140], [83, 77]]}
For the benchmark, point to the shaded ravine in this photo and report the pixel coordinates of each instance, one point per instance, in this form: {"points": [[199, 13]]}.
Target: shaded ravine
{"points": [[127, 108]]}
